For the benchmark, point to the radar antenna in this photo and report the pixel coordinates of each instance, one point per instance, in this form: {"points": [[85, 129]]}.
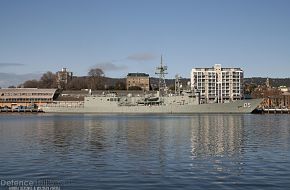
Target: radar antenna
{"points": [[161, 71]]}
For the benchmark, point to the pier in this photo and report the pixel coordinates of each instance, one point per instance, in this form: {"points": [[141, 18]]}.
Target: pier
{"points": [[27, 110], [276, 110]]}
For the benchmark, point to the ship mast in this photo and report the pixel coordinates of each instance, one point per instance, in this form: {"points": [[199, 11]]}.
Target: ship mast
{"points": [[161, 71]]}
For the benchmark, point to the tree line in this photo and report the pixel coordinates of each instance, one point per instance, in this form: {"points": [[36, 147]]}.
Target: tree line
{"points": [[95, 80]]}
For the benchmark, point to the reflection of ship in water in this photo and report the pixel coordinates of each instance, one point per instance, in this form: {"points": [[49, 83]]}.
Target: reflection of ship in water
{"points": [[203, 135], [217, 135]]}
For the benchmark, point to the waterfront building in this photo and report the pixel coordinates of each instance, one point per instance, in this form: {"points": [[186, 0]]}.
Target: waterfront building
{"points": [[280, 101], [138, 80], [13, 97], [218, 84], [63, 77], [283, 88]]}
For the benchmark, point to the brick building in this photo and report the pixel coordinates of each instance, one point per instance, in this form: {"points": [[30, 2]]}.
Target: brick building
{"points": [[63, 77], [138, 80]]}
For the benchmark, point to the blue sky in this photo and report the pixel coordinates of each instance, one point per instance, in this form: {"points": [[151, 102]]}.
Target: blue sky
{"points": [[124, 36]]}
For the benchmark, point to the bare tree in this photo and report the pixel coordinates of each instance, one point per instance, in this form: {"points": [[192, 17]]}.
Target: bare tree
{"points": [[120, 85], [77, 83], [31, 84], [96, 72], [96, 78], [48, 80]]}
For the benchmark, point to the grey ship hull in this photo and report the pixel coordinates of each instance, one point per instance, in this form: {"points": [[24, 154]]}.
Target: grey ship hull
{"points": [[239, 106]]}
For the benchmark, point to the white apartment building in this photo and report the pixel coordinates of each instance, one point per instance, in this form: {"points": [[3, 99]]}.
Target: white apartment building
{"points": [[218, 84]]}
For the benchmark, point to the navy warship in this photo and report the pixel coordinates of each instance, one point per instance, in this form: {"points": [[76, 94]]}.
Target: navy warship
{"points": [[163, 102]]}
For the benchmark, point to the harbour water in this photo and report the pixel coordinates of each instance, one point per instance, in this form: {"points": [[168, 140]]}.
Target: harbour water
{"points": [[80, 151]]}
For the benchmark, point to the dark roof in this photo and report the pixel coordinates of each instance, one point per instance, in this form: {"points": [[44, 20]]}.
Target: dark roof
{"points": [[137, 75]]}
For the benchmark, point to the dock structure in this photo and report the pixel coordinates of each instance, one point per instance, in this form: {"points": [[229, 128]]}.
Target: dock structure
{"points": [[276, 110], [276, 104], [23, 110]]}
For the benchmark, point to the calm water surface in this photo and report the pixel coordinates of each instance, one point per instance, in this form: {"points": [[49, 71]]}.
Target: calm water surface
{"points": [[146, 152]]}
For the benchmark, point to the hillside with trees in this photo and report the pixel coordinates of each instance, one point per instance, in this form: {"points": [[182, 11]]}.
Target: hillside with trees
{"points": [[96, 80], [274, 82]]}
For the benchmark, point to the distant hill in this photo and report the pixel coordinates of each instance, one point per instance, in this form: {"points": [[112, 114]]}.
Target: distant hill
{"points": [[12, 79], [111, 83], [274, 82]]}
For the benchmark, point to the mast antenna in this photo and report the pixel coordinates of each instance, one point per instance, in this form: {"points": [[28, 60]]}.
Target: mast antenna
{"points": [[161, 71]]}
